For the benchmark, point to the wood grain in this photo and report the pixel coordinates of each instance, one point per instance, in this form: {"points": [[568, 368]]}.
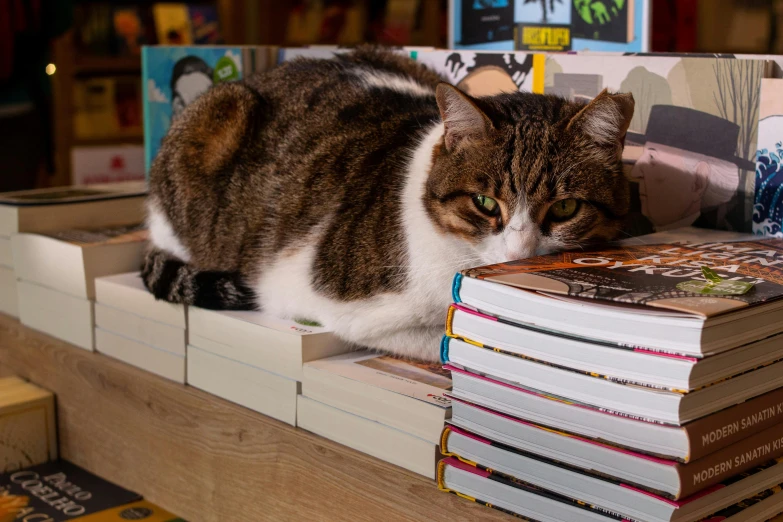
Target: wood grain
{"points": [[207, 459]]}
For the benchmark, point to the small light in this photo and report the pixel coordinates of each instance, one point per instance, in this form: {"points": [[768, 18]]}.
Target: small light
{"points": [[51, 69]]}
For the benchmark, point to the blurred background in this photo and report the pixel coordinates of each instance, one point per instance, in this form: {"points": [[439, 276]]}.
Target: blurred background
{"points": [[70, 71]]}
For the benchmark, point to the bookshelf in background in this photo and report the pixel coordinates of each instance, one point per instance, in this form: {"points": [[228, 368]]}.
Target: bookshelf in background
{"points": [[96, 79]]}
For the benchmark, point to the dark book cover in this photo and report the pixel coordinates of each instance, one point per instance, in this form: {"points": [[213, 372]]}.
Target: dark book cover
{"points": [[129, 32], [601, 20], [486, 21], [205, 25], [60, 491], [659, 276]]}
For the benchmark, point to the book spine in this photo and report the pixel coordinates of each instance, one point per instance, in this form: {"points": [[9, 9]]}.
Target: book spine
{"points": [[726, 427], [741, 456], [146, 118]]}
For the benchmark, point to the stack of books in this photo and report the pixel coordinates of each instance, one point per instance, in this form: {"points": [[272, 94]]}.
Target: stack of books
{"points": [[45, 211], [134, 327], [56, 274], [389, 408], [638, 382], [28, 433], [254, 359]]}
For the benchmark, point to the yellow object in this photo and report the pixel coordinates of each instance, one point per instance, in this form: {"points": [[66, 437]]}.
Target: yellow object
{"points": [[28, 434], [141, 510]]}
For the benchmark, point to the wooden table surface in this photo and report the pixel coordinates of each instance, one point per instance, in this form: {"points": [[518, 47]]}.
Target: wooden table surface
{"points": [[207, 459]]}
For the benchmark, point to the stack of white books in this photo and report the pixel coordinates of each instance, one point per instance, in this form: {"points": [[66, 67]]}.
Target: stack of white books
{"points": [[254, 359], [60, 208], [56, 274], [134, 327], [389, 408]]}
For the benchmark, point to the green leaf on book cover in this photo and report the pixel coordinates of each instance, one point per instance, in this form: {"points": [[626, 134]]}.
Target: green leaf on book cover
{"points": [[225, 70], [714, 285], [711, 275], [307, 322]]}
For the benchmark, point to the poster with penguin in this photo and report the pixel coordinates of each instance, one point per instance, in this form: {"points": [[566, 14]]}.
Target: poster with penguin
{"points": [[174, 76]]}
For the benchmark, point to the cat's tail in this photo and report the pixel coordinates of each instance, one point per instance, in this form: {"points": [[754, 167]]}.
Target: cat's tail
{"points": [[175, 281]]}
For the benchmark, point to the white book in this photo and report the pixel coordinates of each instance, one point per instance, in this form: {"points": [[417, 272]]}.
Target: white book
{"points": [[635, 365], [373, 438], [470, 482], [127, 292], [9, 293], [6, 253], [243, 384], [146, 331], [668, 406], [58, 314], [70, 260], [154, 360], [258, 339], [404, 395], [59, 208], [609, 494]]}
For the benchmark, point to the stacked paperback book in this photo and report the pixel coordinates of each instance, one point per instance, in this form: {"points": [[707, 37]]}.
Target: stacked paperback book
{"points": [[60, 241], [636, 383], [254, 359], [134, 327], [389, 408]]}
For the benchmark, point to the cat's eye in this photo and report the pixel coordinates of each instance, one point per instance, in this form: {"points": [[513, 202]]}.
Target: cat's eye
{"points": [[487, 205], [563, 209]]}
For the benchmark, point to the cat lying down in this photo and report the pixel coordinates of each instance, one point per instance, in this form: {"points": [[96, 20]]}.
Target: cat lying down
{"points": [[349, 191]]}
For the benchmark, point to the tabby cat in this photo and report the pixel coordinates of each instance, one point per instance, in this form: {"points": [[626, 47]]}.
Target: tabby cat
{"points": [[348, 192]]}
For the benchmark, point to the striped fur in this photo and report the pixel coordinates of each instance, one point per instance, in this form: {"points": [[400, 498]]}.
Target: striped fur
{"points": [[342, 191]]}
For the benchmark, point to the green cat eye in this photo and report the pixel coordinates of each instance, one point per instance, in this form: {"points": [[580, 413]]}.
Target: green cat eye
{"points": [[487, 205], [563, 209]]}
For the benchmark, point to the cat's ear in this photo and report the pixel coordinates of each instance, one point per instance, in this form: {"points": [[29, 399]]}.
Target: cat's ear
{"points": [[606, 119], [463, 120]]}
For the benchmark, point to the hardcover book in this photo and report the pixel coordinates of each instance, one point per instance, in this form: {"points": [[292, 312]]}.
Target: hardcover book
{"points": [[607, 21], [60, 491], [510, 495], [690, 148], [483, 73], [174, 76], [627, 294], [768, 203]]}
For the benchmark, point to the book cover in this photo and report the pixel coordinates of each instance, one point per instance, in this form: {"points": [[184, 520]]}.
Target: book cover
{"points": [[550, 25], [205, 24], [455, 459], [768, 201], [172, 23], [690, 146], [91, 165], [174, 76], [482, 73], [128, 30], [103, 236], [610, 21], [141, 510], [59, 491], [69, 195], [423, 381], [650, 275]]}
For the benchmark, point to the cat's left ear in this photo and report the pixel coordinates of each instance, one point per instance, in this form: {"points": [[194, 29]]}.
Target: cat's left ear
{"points": [[463, 120], [606, 119]]}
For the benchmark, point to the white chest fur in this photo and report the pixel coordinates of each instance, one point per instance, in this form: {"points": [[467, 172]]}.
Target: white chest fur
{"points": [[406, 322]]}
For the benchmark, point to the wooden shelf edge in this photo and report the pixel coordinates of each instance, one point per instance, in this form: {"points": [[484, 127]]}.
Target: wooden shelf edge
{"points": [[207, 459]]}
